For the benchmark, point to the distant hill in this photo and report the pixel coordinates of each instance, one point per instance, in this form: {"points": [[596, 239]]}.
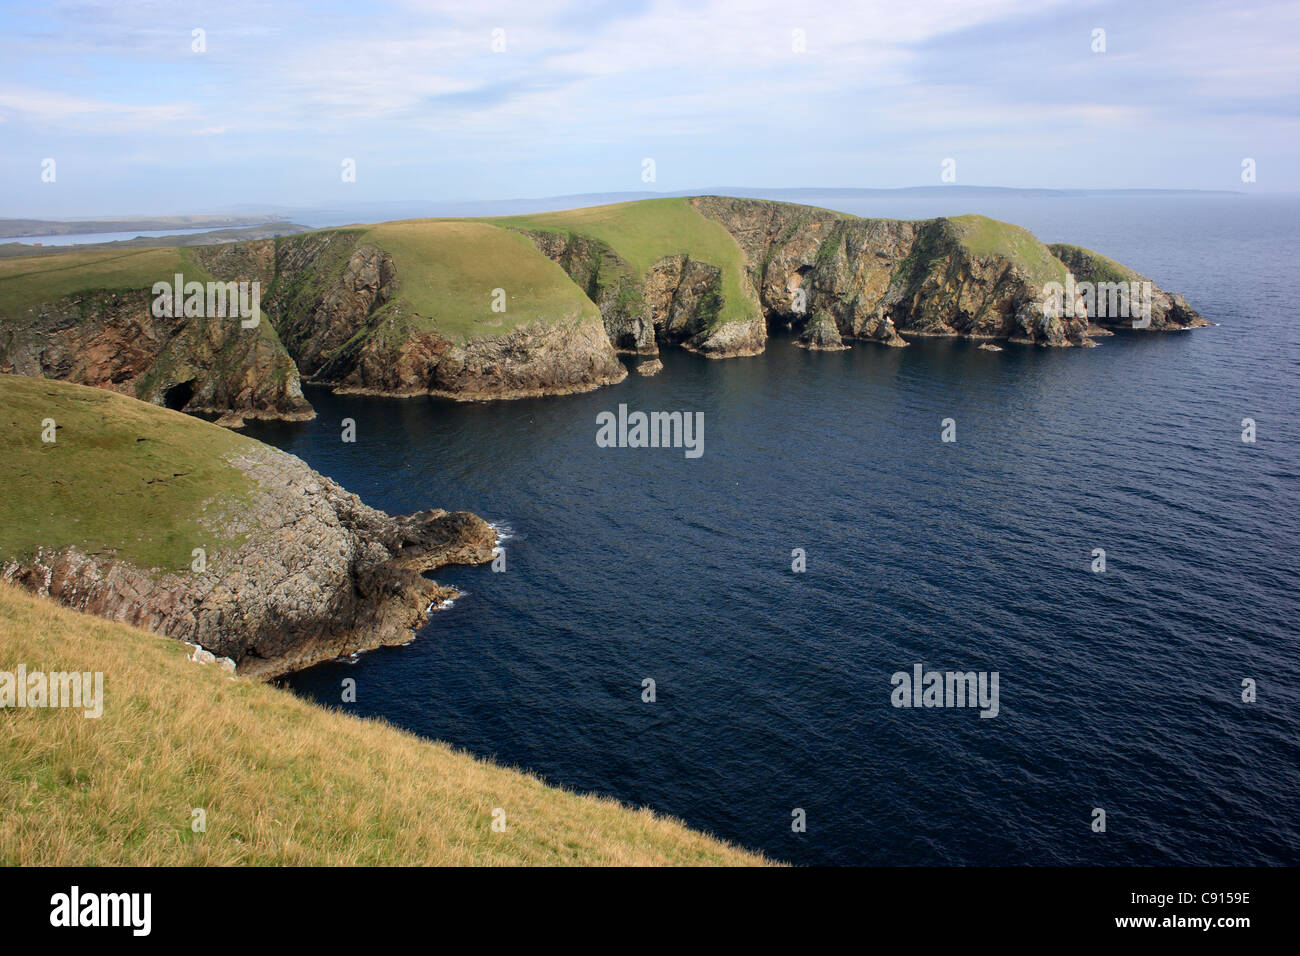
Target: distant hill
{"points": [[241, 234], [10, 228], [539, 303]]}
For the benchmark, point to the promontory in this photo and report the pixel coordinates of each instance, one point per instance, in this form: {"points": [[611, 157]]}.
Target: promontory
{"points": [[540, 304]]}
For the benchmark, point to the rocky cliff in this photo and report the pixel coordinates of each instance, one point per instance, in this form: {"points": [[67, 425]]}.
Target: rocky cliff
{"points": [[676, 302], [112, 340], [542, 305], [295, 569], [1169, 310], [339, 305], [883, 280]]}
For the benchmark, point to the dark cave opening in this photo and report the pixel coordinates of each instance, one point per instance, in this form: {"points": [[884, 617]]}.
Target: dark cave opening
{"points": [[179, 395]]}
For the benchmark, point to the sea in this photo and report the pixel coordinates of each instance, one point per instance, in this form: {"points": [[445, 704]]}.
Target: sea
{"points": [[722, 638]]}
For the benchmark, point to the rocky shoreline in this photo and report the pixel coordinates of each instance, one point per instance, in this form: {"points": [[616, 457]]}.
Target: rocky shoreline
{"points": [[318, 574], [337, 312]]}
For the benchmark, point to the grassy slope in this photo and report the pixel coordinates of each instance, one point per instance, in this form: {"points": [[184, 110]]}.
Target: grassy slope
{"points": [[1104, 269], [983, 237], [123, 476], [281, 780], [29, 280], [644, 232], [447, 270]]}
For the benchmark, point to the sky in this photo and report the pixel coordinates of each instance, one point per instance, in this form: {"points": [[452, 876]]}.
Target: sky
{"points": [[499, 100]]}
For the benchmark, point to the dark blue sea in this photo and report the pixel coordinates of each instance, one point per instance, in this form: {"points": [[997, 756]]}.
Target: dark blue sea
{"points": [[1119, 690]]}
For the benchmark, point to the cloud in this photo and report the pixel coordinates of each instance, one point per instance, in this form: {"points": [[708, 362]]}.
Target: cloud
{"points": [[583, 90], [48, 107]]}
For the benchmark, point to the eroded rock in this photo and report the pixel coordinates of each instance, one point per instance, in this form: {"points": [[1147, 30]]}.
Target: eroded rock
{"points": [[319, 574]]}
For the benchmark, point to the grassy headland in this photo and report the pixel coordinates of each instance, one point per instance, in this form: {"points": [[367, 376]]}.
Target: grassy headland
{"points": [[29, 280], [983, 236], [642, 233], [449, 269], [122, 477]]}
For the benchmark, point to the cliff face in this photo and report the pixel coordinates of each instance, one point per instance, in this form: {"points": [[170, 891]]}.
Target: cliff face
{"points": [[677, 302], [292, 569], [880, 279], [608, 281], [112, 340], [403, 308], [318, 575]]}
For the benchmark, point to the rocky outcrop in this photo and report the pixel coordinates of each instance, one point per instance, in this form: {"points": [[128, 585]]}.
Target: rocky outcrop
{"points": [[533, 360], [206, 366], [529, 361], [1169, 311], [683, 298], [677, 302], [327, 295], [607, 281], [318, 574], [821, 334], [338, 309], [883, 280]]}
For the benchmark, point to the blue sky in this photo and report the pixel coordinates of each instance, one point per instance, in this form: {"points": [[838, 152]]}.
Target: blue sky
{"points": [[713, 91]]}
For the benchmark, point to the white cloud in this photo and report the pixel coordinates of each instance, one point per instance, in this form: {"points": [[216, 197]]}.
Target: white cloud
{"points": [[48, 107]]}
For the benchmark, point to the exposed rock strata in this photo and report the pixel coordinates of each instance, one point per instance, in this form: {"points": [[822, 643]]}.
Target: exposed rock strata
{"points": [[881, 279], [1169, 310], [821, 335], [112, 340], [608, 282], [677, 302], [337, 315], [319, 574], [338, 311]]}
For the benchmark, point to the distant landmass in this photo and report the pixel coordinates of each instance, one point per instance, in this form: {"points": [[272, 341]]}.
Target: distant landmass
{"points": [[243, 234], [340, 214], [347, 213], [12, 228], [545, 303]]}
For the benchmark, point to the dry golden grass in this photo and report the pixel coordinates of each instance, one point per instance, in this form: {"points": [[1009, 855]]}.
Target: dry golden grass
{"points": [[281, 780]]}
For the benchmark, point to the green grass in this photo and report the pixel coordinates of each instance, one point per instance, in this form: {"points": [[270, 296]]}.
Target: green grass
{"points": [[447, 270], [123, 477], [642, 233], [1103, 268], [31, 280], [983, 236], [281, 781]]}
